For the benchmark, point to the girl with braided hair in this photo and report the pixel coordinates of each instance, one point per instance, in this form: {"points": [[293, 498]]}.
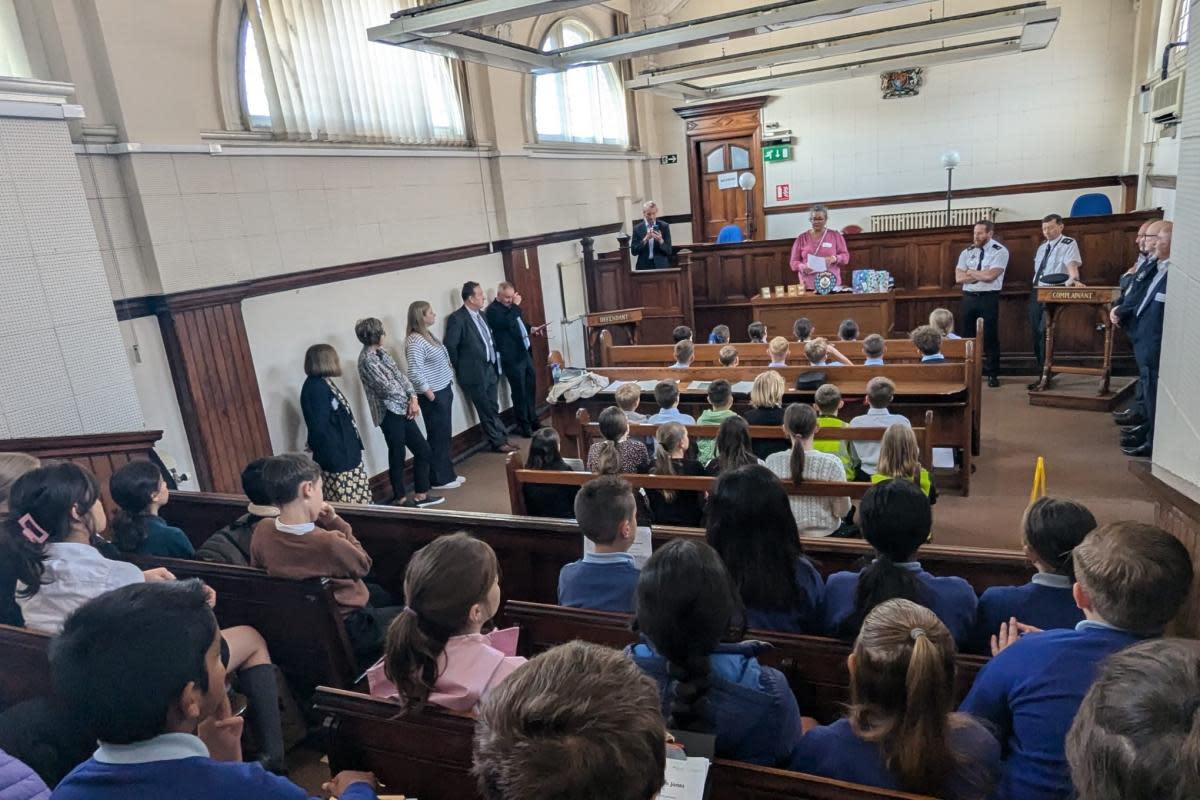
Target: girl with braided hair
{"points": [[690, 617], [436, 650]]}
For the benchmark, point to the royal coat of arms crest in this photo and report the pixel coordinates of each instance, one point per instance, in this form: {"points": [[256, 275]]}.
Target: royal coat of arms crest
{"points": [[901, 82]]}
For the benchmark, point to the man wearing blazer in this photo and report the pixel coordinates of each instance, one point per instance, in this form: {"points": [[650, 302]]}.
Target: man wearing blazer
{"points": [[476, 363], [651, 243], [512, 340]]}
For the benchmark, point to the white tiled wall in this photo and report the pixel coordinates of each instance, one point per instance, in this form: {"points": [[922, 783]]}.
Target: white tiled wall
{"points": [[63, 368], [122, 241]]}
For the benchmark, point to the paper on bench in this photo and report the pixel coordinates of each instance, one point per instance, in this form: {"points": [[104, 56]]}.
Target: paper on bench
{"points": [[647, 386], [742, 387], [943, 458], [612, 387], [640, 550], [685, 778], [699, 386]]}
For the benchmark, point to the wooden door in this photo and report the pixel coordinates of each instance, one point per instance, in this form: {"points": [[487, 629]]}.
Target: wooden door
{"points": [[724, 159]]}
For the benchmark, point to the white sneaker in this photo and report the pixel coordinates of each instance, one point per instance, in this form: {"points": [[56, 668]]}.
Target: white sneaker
{"points": [[454, 484]]}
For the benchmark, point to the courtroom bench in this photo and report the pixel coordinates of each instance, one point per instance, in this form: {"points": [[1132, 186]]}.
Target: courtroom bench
{"points": [[532, 550], [24, 665], [427, 754]]}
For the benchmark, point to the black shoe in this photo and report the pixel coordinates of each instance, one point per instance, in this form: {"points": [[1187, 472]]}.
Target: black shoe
{"points": [[1135, 430], [1128, 417], [1144, 450], [1033, 386], [1133, 440], [993, 382]]}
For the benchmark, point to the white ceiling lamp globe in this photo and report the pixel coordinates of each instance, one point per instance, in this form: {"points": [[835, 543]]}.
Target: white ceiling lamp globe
{"points": [[951, 159], [747, 180]]}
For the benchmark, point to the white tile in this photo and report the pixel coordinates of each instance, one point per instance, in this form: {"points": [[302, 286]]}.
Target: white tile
{"points": [[75, 287], [113, 408], [85, 174], [5, 432], [257, 217], [165, 220], [222, 261], [33, 370], [341, 206], [105, 175], [295, 252], [265, 258], [118, 230], [94, 355], [14, 241], [286, 208], [303, 173], [58, 415], [22, 304], [174, 262], [314, 208], [212, 216], [154, 174], [203, 174], [248, 174], [57, 218]]}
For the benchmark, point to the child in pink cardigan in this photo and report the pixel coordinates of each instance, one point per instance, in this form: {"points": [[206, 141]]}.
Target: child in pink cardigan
{"points": [[436, 651]]}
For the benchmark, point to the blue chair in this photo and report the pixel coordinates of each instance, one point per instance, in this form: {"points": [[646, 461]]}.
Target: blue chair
{"points": [[730, 234], [1091, 205]]}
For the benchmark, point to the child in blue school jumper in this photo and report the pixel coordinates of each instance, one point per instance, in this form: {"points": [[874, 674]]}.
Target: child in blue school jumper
{"points": [[901, 732], [928, 342], [896, 519], [605, 579], [752, 528], [139, 490], [1051, 529], [1131, 580], [141, 667], [687, 608]]}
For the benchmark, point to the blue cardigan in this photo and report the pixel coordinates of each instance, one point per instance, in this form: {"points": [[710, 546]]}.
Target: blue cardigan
{"points": [[332, 434], [1030, 692], [164, 539], [1037, 603], [756, 717], [806, 618]]}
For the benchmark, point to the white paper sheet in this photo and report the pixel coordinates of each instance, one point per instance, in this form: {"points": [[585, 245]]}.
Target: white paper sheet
{"points": [[699, 386], [943, 457], [685, 779], [640, 550], [727, 180], [742, 387], [817, 264]]}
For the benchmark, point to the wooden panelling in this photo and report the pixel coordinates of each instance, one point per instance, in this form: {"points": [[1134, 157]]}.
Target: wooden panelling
{"points": [[523, 270], [209, 354]]}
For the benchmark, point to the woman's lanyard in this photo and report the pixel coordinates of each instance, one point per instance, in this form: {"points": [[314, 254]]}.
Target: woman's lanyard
{"points": [[817, 248]]}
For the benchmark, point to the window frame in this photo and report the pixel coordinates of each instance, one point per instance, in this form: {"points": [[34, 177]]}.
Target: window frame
{"points": [[250, 122]]}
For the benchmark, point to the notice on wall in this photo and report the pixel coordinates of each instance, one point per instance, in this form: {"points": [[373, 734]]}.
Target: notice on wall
{"points": [[783, 191], [727, 180]]}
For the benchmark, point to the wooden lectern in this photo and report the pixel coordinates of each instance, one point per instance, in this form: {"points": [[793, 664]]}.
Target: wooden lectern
{"points": [[1097, 299], [626, 318]]}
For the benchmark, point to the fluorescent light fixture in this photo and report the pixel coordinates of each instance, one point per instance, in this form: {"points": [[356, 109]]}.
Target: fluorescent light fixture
{"points": [[456, 16]]}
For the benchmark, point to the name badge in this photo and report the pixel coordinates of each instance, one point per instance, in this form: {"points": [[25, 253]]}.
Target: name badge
{"points": [[334, 403], [1160, 297], [826, 244]]}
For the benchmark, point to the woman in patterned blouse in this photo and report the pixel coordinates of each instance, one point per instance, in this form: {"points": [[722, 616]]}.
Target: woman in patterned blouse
{"points": [[395, 410], [431, 376]]}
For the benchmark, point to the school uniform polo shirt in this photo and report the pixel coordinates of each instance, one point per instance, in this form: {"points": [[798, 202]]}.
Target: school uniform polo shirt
{"points": [[873, 362], [934, 357], [1045, 602], [599, 581], [672, 415], [1030, 692]]}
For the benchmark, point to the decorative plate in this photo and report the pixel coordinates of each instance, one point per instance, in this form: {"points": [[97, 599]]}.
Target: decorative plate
{"points": [[825, 283]]}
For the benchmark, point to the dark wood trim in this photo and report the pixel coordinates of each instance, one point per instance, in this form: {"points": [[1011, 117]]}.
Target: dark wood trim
{"points": [[981, 191], [670, 219], [557, 236], [725, 107], [1162, 181], [83, 444], [1168, 488]]}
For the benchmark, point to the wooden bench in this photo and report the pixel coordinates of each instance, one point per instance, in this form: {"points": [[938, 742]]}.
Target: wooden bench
{"points": [[24, 665], [299, 619], [532, 550], [428, 755], [815, 666]]}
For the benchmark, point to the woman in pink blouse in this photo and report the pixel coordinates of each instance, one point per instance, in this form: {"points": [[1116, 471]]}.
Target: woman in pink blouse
{"points": [[822, 242]]}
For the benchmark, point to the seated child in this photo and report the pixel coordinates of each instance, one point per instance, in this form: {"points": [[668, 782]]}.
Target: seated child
{"points": [[436, 650], [666, 394], [139, 490], [616, 452], [819, 351], [757, 332], [231, 544], [778, 350], [943, 321], [309, 540], [628, 396], [732, 448], [880, 393], [548, 499], [607, 737], [685, 353], [668, 506], [719, 335], [681, 333], [141, 667], [728, 356], [1131, 580], [766, 409], [750, 525], [814, 515], [928, 343], [1051, 530], [720, 397], [848, 330], [828, 400], [802, 329], [686, 607], [895, 519], [901, 732], [1133, 739], [605, 579], [873, 347], [900, 457]]}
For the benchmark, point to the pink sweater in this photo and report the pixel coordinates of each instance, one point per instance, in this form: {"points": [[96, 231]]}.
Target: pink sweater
{"points": [[831, 246], [471, 666]]}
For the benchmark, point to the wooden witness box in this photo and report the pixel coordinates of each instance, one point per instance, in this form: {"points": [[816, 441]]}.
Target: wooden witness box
{"points": [[625, 319], [874, 313], [1056, 299]]}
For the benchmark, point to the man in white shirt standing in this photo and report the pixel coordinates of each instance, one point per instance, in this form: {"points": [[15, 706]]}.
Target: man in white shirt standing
{"points": [[1058, 255], [980, 272]]}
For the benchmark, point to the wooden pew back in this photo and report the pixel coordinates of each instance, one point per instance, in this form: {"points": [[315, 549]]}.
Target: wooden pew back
{"points": [[899, 351], [428, 755], [24, 665]]}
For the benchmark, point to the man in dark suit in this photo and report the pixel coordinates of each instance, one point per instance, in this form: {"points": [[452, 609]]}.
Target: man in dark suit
{"points": [[512, 340], [651, 243], [477, 363]]}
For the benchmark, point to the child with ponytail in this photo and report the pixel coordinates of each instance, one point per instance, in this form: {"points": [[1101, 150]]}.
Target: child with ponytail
{"points": [[1051, 530], [815, 516], [687, 611], [896, 520], [667, 506], [436, 650], [901, 732], [616, 452], [140, 491]]}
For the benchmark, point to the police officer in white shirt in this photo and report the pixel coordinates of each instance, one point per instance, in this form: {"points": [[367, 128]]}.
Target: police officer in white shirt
{"points": [[980, 272], [1058, 255]]}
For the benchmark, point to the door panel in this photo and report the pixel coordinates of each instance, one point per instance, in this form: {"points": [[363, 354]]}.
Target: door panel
{"points": [[723, 207]]}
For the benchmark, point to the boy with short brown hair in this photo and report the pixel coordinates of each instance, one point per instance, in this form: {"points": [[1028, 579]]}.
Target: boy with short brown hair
{"points": [[627, 396], [728, 356], [828, 400], [685, 353]]}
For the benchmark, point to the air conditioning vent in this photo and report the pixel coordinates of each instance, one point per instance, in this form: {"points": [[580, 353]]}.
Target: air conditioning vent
{"points": [[1166, 100]]}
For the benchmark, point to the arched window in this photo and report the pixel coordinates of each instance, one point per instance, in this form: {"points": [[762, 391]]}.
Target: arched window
{"points": [[585, 105], [306, 71], [14, 61]]}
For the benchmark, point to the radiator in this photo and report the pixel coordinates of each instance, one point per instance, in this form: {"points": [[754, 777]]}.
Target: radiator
{"points": [[912, 220]]}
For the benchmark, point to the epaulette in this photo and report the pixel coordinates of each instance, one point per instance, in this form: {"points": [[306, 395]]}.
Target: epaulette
{"points": [[995, 245], [1067, 239]]}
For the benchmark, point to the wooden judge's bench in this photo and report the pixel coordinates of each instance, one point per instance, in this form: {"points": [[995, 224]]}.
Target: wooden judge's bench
{"points": [[874, 312], [714, 284]]}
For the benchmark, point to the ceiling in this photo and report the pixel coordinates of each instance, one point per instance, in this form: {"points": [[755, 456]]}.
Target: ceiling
{"points": [[774, 46]]}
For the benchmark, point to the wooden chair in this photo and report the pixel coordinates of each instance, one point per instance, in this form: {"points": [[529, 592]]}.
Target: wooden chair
{"points": [[24, 665]]}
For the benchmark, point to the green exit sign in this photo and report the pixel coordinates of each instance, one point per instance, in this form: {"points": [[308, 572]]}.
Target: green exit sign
{"points": [[777, 152]]}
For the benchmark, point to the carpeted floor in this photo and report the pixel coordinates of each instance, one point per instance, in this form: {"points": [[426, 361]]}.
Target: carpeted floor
{"points": [[1083, 462]]}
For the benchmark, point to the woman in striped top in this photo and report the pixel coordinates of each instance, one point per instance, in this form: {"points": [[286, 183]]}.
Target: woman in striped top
{"points": [[431, 376]]}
